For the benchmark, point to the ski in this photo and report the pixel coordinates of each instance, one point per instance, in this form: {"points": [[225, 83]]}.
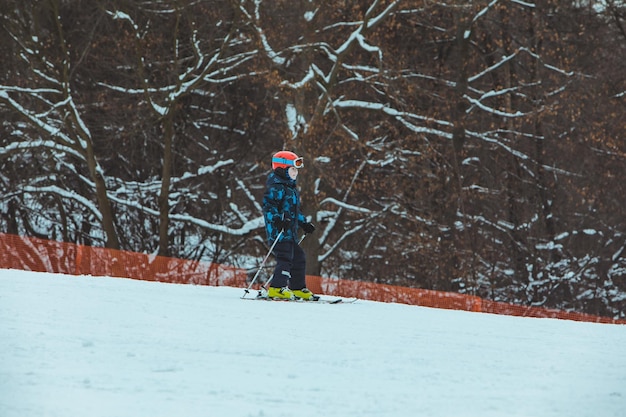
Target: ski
{"points": [[319, 300]]}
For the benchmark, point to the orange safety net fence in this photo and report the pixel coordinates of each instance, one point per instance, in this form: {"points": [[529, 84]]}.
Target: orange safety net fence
{"points": [[32, 254], [440, 299]]}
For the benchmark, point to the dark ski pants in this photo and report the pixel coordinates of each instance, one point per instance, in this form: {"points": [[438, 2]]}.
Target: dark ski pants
{"points": [[290, 265]]}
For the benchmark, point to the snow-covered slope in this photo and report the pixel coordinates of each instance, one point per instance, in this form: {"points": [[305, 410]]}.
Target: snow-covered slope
{"points": [[108, 347]]}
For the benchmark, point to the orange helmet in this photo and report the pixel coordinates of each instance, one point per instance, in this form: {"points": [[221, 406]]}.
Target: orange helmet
{"points": [[286, 159]]}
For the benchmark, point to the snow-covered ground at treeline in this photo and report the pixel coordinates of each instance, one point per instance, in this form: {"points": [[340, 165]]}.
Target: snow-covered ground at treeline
{"points": [[108, 347]]}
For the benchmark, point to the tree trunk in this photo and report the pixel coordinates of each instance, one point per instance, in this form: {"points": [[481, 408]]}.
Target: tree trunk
{"points": [[112, 241], [164, 208]]}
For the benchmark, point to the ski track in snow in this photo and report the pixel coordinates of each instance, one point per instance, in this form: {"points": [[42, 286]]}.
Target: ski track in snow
{"points": [[109, 347]]}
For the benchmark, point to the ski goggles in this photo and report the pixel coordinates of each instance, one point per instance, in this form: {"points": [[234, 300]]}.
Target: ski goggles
{"points": [[298, 162]]}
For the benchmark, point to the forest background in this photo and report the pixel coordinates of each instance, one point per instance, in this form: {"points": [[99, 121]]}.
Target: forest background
{"points": [[468, 146]]}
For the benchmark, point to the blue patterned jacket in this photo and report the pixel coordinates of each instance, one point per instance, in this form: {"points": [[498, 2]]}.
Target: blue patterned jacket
{"points": [[281, 200]]}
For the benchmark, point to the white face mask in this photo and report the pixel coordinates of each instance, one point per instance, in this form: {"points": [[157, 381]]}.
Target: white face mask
{"points": [[292, 172]]}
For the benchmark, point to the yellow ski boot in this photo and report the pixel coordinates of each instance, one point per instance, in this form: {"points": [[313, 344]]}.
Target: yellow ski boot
{"points": [[305, 294], [280, 293]]}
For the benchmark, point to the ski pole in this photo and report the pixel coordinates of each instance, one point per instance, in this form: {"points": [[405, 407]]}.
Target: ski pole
{"points": [[264, 286], [247, 290]]}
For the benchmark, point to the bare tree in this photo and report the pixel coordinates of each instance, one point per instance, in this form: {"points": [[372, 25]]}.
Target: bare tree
{"points": [[49, 104]]}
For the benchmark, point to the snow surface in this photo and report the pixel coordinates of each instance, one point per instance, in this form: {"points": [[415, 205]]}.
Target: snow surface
{"points": [[83, 346]]}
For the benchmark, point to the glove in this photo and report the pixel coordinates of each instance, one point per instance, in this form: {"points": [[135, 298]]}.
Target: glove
{"points": [[283, 224], [308, 228]]}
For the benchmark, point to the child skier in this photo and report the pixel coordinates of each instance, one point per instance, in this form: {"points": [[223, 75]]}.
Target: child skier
{"points": [[281, 211]]}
